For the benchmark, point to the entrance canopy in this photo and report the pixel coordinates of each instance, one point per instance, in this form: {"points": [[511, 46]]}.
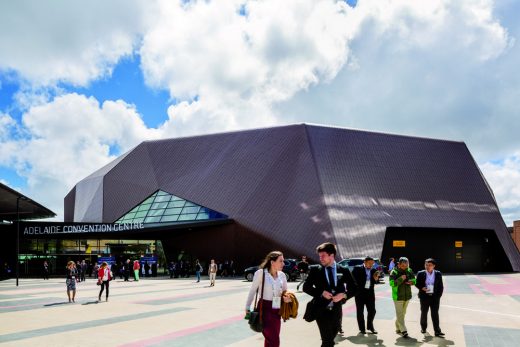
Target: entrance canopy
{"points": [[27, 208]]}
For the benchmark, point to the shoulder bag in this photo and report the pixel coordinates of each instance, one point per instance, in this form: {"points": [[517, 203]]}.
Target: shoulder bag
{"points": [[255, 317]]}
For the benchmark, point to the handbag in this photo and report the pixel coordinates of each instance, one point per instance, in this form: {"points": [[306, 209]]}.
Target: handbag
{"points": [[310, 311], [255, 317]]}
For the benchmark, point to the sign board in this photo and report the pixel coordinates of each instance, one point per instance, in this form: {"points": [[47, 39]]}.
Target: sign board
{"points": [[458, 244], [399, 243]]}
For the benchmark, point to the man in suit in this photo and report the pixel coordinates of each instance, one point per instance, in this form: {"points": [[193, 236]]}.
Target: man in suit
{"points": [[331, 286], [366, 276], [430, 285]]}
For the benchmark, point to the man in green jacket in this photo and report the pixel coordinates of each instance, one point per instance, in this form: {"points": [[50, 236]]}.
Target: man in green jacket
{"points": [[402, 279]]}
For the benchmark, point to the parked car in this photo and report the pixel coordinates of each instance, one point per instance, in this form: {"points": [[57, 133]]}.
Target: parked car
{"points": [[351, 262], [290, 268]]}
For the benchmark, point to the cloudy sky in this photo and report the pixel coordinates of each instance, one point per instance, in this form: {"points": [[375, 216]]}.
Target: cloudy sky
{"points": [[82, 82]]}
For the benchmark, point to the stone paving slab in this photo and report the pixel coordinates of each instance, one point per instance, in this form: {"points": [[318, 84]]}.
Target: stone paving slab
{"points": [[476, 310]]}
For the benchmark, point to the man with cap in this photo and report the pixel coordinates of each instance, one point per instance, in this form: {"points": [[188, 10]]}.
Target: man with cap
{"points": [[402, 279], [366, 276]]}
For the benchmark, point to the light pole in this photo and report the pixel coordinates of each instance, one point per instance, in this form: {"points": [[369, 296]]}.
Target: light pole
{"points": [[17, 239]]}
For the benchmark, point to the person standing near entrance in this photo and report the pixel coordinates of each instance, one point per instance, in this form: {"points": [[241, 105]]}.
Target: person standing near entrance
{"points": [[83, 267], [402, 279], [366, 277], [198, 270], [45, 270], [137, 266], [72, 277], [430, 285], [331, 286], [212, 271], [127, 268], [104, 278]]}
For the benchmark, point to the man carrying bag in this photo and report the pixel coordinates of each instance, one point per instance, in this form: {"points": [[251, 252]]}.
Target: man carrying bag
{"points": [[331, 286]]}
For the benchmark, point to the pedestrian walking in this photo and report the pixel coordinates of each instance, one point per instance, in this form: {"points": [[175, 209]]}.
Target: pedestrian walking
{"points": [[331, 286], [136, 268], [72, 277], [402, 279], [198, 270], [430, 285], [391, 265], [212, 273], [104, 278], [366, 276], [274, 291], [303, 268]]}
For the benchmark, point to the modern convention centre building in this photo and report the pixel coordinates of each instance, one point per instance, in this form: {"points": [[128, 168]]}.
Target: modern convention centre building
{"points": [[238, 195]]}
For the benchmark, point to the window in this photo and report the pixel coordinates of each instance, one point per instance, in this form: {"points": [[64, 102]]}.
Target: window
{"points": [[162, 207]]}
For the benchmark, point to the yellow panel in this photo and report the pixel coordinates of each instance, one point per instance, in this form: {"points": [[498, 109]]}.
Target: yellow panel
{"points": [[399, 243]]}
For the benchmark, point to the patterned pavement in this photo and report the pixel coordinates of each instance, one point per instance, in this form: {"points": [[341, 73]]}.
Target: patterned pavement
{"points": [[477, 310]]}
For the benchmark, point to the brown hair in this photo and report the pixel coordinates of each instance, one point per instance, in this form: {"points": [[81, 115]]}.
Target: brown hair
{"points": [[327, 247], [104, 264], [266, 264]]}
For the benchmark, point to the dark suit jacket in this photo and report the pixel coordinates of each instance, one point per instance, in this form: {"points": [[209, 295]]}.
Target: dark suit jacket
{"points": [[316, 283], [360, 277], [438, 286]]}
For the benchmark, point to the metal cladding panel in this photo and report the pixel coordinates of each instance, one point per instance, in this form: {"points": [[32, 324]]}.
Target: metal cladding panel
{"points": [[263, 179], [371, 181], [128, 183], [69, 203], [89, 200]]}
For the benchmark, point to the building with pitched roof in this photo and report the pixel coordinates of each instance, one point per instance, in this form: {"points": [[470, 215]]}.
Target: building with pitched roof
{"points": [[238, 195]]}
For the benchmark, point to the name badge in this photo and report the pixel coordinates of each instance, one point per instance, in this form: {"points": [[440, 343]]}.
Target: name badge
{"points": [[367, 285], [277, 300], [429, 288]]}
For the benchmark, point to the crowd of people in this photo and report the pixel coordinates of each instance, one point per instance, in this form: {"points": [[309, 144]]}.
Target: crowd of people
{"points": [[331, 285]]}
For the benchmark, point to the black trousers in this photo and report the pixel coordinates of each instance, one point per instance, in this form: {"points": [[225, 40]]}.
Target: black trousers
{"points": [[103, 284], [365, 299], [432, 303], [328, 323]]}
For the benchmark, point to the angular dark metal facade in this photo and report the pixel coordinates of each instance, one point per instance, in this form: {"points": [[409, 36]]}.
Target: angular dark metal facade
{"points": [[300, 185]]}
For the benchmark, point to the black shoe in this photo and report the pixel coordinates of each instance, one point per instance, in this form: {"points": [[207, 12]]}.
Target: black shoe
{"points": [[423, 331], [440, 334], [362, 332], [405, 334], [373, 331], [340, 331]]}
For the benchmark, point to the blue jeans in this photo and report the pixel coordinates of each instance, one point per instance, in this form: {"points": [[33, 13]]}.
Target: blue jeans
{"points": [[197, 273]]}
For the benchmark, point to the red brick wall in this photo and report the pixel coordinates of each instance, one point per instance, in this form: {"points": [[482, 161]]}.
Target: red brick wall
{"points": [[516, 233]]}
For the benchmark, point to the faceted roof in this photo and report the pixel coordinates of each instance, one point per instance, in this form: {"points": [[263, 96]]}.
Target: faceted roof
{"points": [[301, 185]]}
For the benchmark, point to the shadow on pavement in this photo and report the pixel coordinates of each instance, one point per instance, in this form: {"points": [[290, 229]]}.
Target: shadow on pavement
{"points": [[57, 303], [91, 302], [367, 340]]}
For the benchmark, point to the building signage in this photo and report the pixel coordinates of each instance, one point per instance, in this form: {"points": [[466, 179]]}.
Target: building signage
{"points": [[458, 244], [399, 243], [35, 229]]}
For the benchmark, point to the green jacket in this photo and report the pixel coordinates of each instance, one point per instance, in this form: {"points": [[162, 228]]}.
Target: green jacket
{"points": [[400, 290]]}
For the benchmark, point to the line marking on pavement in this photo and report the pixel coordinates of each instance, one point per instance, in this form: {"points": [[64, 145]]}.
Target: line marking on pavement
{"points": [[184, 332], [22, 335]]}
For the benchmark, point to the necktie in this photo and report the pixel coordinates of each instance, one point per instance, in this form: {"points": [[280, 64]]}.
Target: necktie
{"points": [[331, 276]]}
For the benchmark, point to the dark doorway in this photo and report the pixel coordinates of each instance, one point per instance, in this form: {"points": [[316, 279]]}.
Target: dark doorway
{"points": [[456, 250]]}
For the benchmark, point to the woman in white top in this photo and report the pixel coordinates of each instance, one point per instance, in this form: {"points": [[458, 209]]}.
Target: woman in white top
{"points": [[275, 283], [104, 278]]}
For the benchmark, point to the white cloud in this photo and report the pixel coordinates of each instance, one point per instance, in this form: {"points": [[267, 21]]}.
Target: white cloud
{"points": [[504, 178], [70, 41], [68, 139], [439, 68]]}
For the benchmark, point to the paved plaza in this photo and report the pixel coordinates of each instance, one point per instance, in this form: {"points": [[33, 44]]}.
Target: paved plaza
{"points": [[476, 310]]}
